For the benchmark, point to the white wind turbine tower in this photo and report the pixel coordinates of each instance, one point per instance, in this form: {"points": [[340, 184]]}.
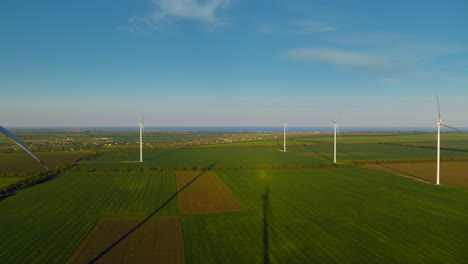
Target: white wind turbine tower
{"points": [[285, 125], [335, 126], [141, 139], [438, 140]]}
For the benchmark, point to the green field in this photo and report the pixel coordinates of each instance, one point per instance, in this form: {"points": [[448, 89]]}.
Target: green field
{"points": [[7, 181], [316, 215], [24, 163], [460, 145], [333, 216], [351, 152], [44, 223], [353, 138], [261, 157], [202, 158]]}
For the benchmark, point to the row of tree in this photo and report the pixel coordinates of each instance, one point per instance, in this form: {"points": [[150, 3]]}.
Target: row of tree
{"points": [[30, 179]]}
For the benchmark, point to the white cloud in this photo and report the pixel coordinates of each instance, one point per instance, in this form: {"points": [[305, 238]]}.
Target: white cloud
{"points": [[166, 11], [359, 61]]}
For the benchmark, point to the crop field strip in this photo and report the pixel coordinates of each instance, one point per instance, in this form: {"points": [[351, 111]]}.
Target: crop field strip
{"points": [[304, 206], [452, 173], [206, 195], [159, 240], [6, 181], [229, 158], [46, 222], [262, 157], [22, 162], [332, 216], [316, 215]]}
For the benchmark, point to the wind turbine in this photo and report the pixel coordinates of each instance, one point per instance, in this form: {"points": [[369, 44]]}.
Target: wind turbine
{"points": [[141, 138], [438, 140], [21, 144], [335, 126], [285, 125]]}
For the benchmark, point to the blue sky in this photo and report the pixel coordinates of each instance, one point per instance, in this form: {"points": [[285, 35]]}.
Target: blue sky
{"points": [[232, 62]]}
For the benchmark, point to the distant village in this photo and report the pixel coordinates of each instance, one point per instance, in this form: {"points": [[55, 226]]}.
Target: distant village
{"points": [[126, 141]]}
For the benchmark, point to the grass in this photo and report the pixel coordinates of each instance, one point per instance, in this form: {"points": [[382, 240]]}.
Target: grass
{"points": [[351, 152], [7, 181], [348, 215], [24, 163], [395, 137], [332, 216], [203, 158], [452, 173], [141, 246], [461, 145], [45, 223], [315, 216], [262, 157], [351, 138]]}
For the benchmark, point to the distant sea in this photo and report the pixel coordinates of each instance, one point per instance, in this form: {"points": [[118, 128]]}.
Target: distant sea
{"points": [[248, 129]]}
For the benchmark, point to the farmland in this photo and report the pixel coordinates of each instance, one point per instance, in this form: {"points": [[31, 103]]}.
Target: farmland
{"points": [[141, 246], [204, 195], [316, 215], [242, 203], [454, 173], [203, 158], [23, 163], [332, 215], [6, 181], [350, 152], [46, 222], [262, 157]]}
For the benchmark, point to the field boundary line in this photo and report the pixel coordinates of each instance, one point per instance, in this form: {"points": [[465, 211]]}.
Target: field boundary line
{"points": [[95, 259]]}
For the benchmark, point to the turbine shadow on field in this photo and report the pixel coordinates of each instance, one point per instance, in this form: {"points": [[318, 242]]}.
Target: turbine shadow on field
{"points": [[351, 155], [279, 145], [390, 168], [266, 242], [321, 155], [108, 249], [406, 173], [164, 154]]}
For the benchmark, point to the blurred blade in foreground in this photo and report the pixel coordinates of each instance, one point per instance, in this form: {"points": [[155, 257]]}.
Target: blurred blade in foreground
{"points": [[21, 144]]}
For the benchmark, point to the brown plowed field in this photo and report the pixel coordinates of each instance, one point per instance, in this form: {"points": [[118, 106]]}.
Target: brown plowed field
{"points": [[205, 195], [451, 173], [159, 240]]}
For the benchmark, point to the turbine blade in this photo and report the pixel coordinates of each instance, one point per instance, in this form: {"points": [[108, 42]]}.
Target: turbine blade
{"points": [[451, 127], [22, 145], [338, 132], [338, 119]]}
